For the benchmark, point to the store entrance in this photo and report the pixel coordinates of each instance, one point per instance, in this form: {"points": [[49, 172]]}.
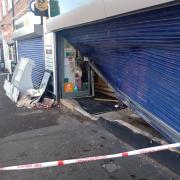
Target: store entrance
{"points": [[81, 82], [76, 73]]}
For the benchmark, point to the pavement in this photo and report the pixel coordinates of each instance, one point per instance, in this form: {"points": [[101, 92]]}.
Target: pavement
{"points": [[30, 136]]}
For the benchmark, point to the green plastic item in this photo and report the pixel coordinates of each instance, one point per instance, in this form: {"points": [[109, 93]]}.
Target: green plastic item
{"points": [[75, 89]]}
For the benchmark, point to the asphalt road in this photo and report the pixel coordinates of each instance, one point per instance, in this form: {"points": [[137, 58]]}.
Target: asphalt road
{"points": [[28, 136]]}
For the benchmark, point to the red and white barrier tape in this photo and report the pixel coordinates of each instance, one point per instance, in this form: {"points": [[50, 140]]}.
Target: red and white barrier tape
{"points": [[88, 159]]}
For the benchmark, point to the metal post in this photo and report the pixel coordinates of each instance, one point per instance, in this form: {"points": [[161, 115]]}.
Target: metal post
{"points": [[92, 82], [13, 22], [13, 14], [41, 19]]}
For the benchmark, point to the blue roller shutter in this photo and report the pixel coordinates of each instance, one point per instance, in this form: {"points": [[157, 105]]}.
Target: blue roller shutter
{"points": [[140, 56], [34, 50]]}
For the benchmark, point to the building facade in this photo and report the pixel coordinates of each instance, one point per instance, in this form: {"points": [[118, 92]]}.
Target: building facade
{"points": [[22, 36], [10, 10]]}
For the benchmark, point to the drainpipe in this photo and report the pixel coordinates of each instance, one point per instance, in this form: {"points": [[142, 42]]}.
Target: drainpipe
{"points": [[13, 14], [2, 53], [13, 22]]}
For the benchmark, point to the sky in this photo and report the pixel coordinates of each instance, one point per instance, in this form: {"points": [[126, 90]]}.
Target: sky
{"points": [[67, 5]]}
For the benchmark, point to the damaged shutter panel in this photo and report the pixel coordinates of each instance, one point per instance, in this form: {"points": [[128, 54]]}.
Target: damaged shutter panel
{"points": [[140, 56]]}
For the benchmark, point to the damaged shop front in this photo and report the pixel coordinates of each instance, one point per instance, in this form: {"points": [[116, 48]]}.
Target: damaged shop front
{"points": [[75, 77], [73, 74], [71, 71], [136, 50], [28, 35]]}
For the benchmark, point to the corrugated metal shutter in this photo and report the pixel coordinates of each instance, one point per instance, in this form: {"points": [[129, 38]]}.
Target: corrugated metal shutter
{"points": [[140, 56], [33, 49]]}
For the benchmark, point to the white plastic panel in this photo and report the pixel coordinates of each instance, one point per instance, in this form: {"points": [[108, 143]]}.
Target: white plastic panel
{"points": [[115, 7]]}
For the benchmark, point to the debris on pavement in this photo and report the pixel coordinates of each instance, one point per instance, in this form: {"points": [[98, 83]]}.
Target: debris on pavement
{"points": [[39, 93], [24, 101], [19, 87], [17, 83], [46, 103]]}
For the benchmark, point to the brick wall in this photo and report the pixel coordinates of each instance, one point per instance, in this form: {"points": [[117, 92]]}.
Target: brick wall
{"points": [[20, 8]]}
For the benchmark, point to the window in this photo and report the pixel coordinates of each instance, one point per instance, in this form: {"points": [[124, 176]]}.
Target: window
{"points": [[9, 4], [4, 7], [63, 6]]}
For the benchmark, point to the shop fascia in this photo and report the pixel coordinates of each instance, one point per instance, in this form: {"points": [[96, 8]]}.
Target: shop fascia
{"points": [[28, 24]]}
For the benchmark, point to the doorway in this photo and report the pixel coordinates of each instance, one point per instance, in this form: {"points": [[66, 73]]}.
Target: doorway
{"points": [[74, 72]]}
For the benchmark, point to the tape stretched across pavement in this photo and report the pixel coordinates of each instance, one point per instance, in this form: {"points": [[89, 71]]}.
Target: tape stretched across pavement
{"points": [[89, 159]]}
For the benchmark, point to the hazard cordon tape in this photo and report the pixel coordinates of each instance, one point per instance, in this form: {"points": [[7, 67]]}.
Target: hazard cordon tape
{"points": [[89, 159]]}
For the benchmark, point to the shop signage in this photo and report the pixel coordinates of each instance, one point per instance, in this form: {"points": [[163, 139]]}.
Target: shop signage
{"points": [[26, 21], [22, 22], [40, 7], [49, 51]]}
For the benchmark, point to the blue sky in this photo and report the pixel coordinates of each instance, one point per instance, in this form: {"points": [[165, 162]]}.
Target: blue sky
{"points": [[67, 5]]}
